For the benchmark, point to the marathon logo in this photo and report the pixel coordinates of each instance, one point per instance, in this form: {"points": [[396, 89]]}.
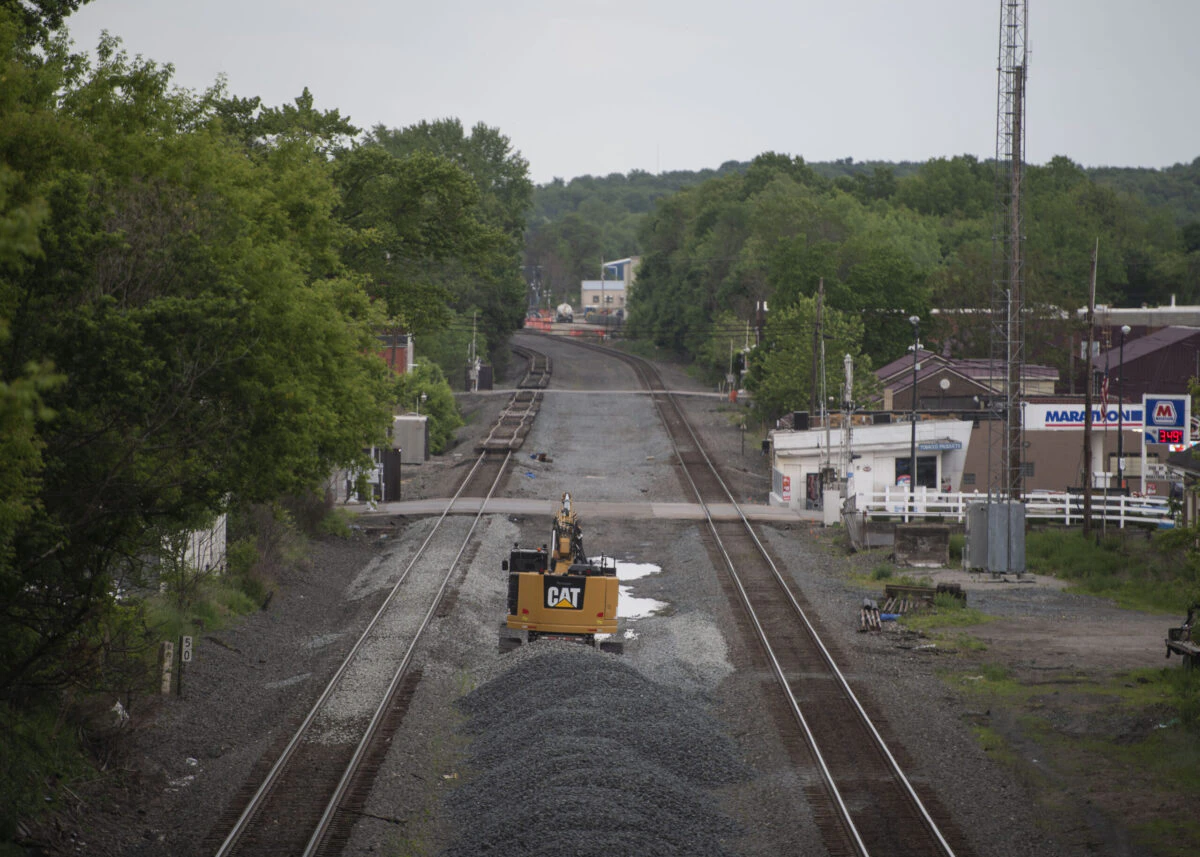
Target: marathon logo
{"points": [[1075, 417], [564, 593], [1164, 414]]}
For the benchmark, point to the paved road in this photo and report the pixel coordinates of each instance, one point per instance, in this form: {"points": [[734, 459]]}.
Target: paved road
{"points": [[625, 511]]}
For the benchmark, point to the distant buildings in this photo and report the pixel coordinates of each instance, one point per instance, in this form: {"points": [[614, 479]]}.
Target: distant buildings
{"points": [[956, 426], [608, 296]]}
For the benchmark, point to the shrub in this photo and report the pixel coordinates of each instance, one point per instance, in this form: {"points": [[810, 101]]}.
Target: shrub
{"points": [[883, 571], [957, 542], [337, 523], [38, 750], [1164, 578], [947, 601]]}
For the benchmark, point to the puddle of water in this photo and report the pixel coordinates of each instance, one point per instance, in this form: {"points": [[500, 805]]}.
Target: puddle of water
{"points": [[629, 607]]}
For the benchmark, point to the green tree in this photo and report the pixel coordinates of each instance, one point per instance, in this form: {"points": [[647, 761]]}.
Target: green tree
{"points": [[481, 272], [438, 403], [781, 368], [212, 344]]}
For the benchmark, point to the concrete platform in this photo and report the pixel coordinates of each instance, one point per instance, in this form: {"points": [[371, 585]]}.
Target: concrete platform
{"points": [[548, 508]]}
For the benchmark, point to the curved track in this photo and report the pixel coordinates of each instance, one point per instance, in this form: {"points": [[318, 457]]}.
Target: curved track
{"points": [[866, 805]]}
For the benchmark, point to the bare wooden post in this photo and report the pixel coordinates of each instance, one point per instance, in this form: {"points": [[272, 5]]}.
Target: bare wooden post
{"points": [[166, 654]]}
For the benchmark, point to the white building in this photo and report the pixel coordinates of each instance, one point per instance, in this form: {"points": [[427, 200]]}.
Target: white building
{"points": [[877, 455], [608, 295]]}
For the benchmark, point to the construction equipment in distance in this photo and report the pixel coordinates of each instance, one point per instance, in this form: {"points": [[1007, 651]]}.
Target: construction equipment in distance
{"points": [[1181, 640], [560, 594]]}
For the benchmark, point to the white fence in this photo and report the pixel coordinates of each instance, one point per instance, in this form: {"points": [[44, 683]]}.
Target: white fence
{"points": [[897, 502]]}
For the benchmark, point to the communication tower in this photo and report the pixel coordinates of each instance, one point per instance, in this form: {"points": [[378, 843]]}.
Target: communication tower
{"points": [[1005, 470]]}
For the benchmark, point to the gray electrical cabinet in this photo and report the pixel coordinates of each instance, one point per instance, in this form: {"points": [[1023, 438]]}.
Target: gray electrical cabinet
{"points": [[975, 553], [410, 437], [995, 537], [1006, 537]]}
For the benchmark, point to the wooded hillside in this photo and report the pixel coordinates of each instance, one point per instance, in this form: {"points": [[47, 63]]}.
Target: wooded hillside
{"points": [[889, 240]]}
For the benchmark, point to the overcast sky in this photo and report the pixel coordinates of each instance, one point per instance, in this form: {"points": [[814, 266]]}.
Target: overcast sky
{"points": [[583, 87]]}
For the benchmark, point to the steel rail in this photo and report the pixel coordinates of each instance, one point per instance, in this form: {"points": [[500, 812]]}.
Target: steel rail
{"points": [[826, 774], [881, 745], [661, 397], [373, 727], [273, 775]]}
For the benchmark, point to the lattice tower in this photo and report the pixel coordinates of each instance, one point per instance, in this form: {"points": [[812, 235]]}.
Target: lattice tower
{"points": [[1005, 469]]}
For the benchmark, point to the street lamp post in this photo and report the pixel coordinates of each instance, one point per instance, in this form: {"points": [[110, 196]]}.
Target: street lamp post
{"points": [[915, 321], [1121, 413]]}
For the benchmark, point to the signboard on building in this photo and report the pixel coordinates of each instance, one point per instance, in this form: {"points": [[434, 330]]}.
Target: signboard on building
{"points": [[937, 445], [1071, 417], [1167, 418]]}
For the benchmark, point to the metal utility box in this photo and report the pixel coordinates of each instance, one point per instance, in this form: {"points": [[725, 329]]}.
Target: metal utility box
{"points": [[995, 537], [1006, 537], [975, 555], [410, 437], [485, 377]]}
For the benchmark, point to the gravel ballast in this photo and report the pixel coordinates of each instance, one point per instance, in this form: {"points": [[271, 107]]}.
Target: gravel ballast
{"points": [[579, 753]]}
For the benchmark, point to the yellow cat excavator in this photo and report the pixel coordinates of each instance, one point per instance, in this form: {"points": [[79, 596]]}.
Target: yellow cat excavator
{"points": [[557, 593]]}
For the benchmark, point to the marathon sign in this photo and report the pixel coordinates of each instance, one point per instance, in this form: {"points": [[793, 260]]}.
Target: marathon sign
{"points": [[1072, 417], [1168, 419]]}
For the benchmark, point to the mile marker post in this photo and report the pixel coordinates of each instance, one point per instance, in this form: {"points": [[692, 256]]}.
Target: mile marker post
{"points": [[185, 657]]}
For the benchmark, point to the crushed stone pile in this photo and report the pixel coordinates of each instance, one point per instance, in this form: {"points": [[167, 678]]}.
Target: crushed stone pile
{"points": [[577, 753]]}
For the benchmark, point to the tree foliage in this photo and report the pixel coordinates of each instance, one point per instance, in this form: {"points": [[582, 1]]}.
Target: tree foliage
{"points": [[441, 215], [887, 240], [775, 233], [179, 330], [781, 370]]}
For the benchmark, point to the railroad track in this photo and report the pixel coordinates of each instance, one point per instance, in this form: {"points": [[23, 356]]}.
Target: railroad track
{"points": [[305, 796], [513, 424], [865, 804], [537, 374], [516, 420]]}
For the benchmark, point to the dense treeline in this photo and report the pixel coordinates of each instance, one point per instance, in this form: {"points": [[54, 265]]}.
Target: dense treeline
{"points": [[576, 223], [888, 240], [192, 286]]}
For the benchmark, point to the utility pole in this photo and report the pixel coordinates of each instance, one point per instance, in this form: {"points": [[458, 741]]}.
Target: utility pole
{"points": [[473, 358], [1087, 400], [812, 398], [847, 418]]}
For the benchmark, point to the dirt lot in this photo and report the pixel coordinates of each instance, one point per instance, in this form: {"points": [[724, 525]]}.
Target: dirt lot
{"points": [[1055, 688], [1029, 727]]}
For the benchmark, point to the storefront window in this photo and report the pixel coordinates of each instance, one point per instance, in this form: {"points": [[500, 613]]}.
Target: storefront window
{"points": [[926, 470]]}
